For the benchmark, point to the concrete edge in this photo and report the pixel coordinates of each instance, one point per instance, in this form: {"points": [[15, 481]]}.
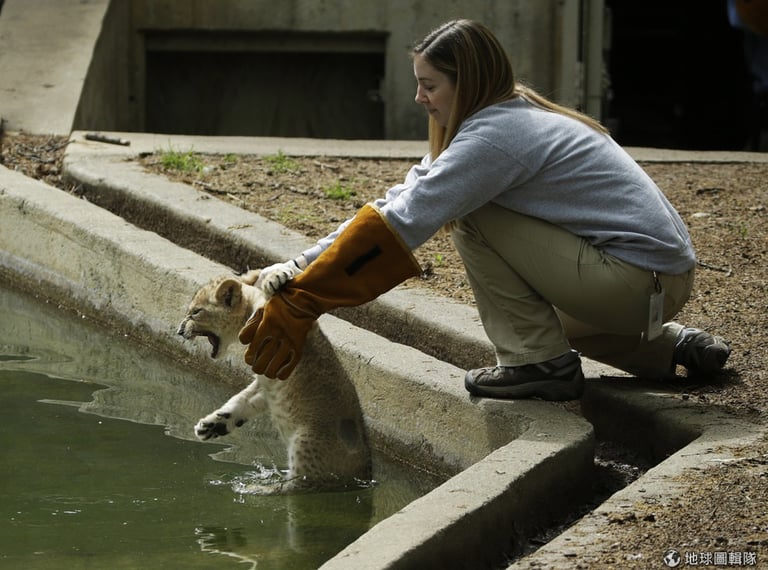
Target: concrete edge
{"points": [[481, 516], [142, 143], [297, 146], [142, 281], [690, 439]]}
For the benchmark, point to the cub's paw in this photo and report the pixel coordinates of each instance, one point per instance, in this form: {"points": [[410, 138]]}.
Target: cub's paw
{"points": [[217, 424], [272, 278]]}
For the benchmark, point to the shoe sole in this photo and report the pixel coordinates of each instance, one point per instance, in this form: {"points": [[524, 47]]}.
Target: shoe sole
{"points": [[549, 390]]}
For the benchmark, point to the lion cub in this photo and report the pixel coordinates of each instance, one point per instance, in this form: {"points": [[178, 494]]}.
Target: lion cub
{"points": [[316, 410]]}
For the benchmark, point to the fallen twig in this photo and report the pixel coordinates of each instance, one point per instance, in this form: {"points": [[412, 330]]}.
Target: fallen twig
{"points": [[727, 270], [324, 166], [98, 137]]}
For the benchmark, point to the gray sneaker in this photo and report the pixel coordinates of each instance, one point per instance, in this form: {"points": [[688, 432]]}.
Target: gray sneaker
{"points": [[558, 379], [700, 352]]}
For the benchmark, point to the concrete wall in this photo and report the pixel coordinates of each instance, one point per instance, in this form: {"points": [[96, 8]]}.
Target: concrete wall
{"points": [[527, 28], [110, 99], [524, 26], [82, 64], [45, 50]]}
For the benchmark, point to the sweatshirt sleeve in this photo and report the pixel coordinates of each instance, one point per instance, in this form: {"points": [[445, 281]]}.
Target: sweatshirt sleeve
{"points": [[415, 172], [468, 174]]}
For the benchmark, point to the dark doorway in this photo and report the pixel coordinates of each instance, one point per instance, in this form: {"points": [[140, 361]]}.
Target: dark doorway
{"points": [[259, 93], [678, 76]]}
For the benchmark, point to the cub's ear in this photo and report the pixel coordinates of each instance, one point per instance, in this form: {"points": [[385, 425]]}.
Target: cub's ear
{"points": [[229, 292]]}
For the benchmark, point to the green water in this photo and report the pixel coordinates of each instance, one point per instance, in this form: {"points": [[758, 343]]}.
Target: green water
{"points": [[99, 468]]}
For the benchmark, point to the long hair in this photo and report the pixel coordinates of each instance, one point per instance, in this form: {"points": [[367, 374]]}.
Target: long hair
{"points": [[474, 60]]}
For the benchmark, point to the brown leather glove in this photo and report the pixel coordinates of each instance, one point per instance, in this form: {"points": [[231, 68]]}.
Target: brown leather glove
{"points": [[366, 260], [275, 350]]}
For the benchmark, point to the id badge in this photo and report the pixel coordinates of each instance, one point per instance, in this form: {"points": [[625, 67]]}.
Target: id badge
{"points": [[655, 310]]}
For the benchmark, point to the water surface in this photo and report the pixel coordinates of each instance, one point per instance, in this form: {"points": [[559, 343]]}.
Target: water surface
{"points": [[100, 468]]}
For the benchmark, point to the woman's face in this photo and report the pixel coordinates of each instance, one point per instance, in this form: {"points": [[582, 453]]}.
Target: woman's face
{"points": [[434, 90]]}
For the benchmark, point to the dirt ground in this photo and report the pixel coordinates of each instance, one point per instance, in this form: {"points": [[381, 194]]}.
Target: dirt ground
{"points": [[726, 209]]}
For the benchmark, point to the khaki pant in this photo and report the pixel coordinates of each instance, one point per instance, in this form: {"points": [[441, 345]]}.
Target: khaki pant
{"points": [[541, 290]]}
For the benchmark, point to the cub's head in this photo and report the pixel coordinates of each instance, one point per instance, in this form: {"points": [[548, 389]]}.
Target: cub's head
{"points": [[220, 309]]}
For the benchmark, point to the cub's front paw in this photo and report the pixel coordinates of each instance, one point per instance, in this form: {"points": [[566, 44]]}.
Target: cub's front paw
{"points": [[216, 425], [272, 278]]}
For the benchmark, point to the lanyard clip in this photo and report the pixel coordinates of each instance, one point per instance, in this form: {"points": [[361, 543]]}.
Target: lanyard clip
{"points": [[656, 282]]}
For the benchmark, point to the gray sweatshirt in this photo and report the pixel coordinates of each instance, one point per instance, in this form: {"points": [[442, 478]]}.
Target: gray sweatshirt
{"points": [[548, 166]]}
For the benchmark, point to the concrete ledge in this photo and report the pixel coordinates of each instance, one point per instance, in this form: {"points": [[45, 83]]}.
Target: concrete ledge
{"points": [[292, 146], [686, 437], [493, 504], [508, 455]]}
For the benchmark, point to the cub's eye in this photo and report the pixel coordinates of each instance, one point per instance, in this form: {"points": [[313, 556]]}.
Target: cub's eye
{"points": [[197, 311]]}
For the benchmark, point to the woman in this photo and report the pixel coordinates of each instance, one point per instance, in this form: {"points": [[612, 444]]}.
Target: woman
{"points": [[568, 245]]}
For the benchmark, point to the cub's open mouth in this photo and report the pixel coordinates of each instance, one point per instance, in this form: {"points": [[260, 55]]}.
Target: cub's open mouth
{"points": [[214, 340]]}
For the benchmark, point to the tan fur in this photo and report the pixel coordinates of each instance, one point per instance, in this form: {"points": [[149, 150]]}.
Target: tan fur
{"points": [[316, 410]]}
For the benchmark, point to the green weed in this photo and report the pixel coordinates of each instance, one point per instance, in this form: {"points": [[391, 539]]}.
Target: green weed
{"points": [[181, 161], [743, 230], [281, 163], [339, 191]]}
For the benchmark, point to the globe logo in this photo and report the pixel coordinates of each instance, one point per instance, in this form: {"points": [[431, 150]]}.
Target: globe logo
{"points": [[672, 558]]}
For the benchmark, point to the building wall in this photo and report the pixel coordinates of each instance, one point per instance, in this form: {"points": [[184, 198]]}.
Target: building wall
{"points": [[527, 28], [108, 100]]}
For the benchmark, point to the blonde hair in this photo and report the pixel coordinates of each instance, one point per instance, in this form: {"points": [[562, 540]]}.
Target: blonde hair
{"points": [[475, 61]]}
